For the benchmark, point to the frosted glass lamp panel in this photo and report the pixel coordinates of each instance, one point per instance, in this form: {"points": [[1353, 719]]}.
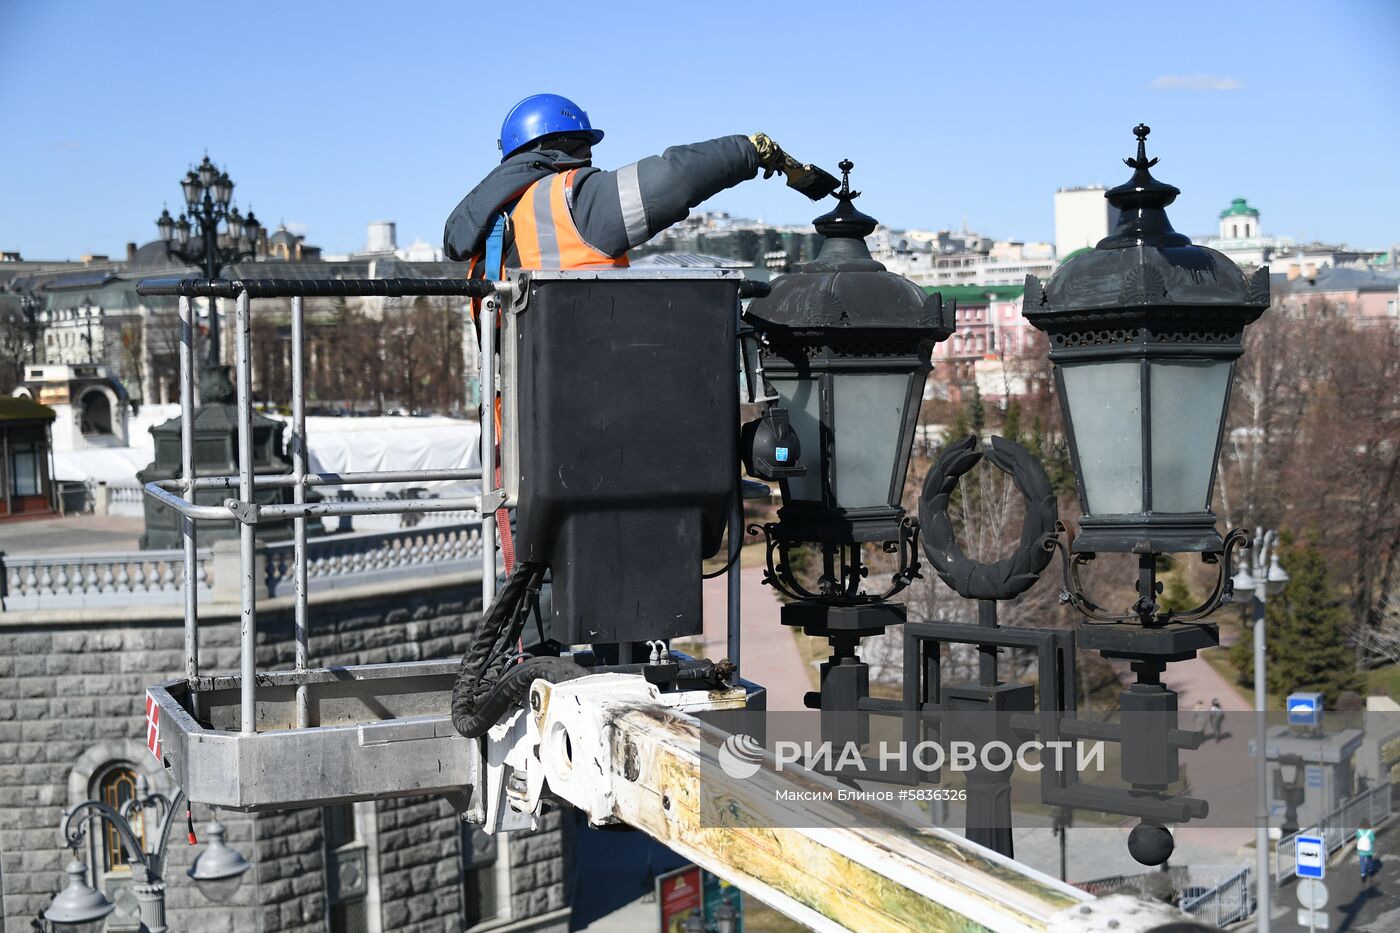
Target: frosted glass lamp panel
{"points": [[868, 415], [1188, 401], [802, 399], [1105, 406]]}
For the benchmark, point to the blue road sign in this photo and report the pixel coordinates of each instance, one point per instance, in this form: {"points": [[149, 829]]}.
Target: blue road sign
{"points": [[1311, 853], [1304, 709]]}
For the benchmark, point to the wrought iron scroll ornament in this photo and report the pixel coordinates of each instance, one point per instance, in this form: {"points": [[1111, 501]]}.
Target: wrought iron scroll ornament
{"points": [[1012, 575], [1145, 610], [844, 591]]}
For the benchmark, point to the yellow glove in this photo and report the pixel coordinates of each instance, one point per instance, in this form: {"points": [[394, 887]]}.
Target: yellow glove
{"points": [[770, 154]]}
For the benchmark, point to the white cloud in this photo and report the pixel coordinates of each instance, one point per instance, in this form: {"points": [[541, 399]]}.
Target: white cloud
{"points": [[1195, 83]]}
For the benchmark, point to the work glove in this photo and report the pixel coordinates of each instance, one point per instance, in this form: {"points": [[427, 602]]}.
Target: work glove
{"points": [[815, 183], [770, 154]]}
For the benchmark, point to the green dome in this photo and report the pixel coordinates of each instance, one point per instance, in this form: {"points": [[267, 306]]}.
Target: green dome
{"points": [[1238, 208]]}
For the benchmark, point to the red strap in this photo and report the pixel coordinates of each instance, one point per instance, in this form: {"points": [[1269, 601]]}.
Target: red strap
{"points": [[503, 529]]}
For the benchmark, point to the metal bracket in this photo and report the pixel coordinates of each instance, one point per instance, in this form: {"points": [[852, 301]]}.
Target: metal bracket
{"points": [[493, 500], [245, 512]]}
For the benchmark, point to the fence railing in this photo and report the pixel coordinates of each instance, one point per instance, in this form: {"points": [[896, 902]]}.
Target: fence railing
{"points": [[80, 581], [1336, 828], [1142, 884], [372, 556], [1230, 900], [156, 578]]}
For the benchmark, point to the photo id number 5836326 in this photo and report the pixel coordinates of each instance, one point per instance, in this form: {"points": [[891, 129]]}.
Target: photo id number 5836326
{"points": [[933, 793]]}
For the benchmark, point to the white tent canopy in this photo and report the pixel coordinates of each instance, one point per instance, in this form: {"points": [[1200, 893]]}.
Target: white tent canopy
{"points": [[334, 445]]}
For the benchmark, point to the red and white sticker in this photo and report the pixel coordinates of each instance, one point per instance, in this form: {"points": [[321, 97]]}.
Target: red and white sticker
{"points": [[153, 726]]}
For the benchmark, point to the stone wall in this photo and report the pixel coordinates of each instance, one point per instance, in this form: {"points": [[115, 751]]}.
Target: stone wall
{"points": [[71, 697]]}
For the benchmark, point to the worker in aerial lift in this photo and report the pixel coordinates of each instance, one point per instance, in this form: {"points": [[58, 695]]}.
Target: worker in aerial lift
{"points": [[546, 207]]}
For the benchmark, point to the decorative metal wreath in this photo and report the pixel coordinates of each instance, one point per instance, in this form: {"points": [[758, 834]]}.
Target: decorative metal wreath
{"points": [[1012, 575]]}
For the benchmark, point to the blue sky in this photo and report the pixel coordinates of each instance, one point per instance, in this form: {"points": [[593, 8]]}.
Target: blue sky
{"points": [[331, 115]]}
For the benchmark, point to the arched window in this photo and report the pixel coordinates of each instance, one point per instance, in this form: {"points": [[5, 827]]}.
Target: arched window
{"points": [[96, 413], [114, 786]]}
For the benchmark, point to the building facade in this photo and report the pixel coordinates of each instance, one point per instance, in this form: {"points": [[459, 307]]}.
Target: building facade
{"points": [[72, 727], [1083, 216], [992, 348]]}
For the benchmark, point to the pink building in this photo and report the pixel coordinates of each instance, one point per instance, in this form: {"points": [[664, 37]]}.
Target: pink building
{"points": [[991, 341], [1369, 298]]}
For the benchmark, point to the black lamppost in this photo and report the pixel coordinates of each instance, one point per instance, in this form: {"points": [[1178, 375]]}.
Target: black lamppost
{"points": [[217, 871], [840, 350], [195, 237], [1288, 787], [91, 314], [1144, 333], [30, 304]]}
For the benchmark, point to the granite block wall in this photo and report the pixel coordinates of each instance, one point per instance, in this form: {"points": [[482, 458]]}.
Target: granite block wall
{"points": [[71, 701]]}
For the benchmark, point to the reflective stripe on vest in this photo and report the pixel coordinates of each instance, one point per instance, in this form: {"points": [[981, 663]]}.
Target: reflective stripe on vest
{"points": [[545, 235]]}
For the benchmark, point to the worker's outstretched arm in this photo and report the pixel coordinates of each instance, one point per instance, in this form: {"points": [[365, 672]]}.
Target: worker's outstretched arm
{"points": [[617, 211]]}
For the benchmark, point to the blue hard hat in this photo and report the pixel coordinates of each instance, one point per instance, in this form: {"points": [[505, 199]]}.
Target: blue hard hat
{"points": [[542, 115]]}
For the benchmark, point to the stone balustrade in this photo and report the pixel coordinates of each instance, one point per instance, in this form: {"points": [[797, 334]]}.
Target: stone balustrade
{"points": [[368, 556], [146, 578], [81, 581]]}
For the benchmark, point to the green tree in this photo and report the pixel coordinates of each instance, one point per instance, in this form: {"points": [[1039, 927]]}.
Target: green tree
{"points": [[1308, 625], [1011, 422], [976, 412], [1175, 596]]}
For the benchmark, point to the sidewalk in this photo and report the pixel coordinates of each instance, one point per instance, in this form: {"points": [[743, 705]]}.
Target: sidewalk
{"points": [[1350, 907], [770, 656], [85, 533]]}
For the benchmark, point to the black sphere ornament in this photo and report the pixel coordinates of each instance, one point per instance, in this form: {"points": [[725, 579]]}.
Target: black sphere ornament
{"points": [[1150, 843]]}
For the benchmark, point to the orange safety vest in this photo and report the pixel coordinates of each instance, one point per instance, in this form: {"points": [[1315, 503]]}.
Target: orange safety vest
{"points": [[542, 224], [545, 235]]}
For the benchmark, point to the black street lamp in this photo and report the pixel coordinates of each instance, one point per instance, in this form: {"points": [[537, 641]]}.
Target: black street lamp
{"points": [[208, 203], [30, 304], [217, 871], [91, 314], [1144, 332], [841, 349]]}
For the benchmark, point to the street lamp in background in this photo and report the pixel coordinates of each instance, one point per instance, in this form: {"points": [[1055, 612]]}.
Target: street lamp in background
{"points": [[90, 314], [1261, 576], [196, 237], [81, 908], [31, 304]]}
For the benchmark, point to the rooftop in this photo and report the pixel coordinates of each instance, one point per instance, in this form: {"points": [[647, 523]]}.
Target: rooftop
{"points": [[977, 294], [1239, 208], [24, 409]]}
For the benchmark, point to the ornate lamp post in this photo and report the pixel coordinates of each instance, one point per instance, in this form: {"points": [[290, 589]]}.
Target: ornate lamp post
{"points": [[89, 315], [218, 871], [31, 304], [1260, 577], [1144, 333], [196, 237], [841, 349]]}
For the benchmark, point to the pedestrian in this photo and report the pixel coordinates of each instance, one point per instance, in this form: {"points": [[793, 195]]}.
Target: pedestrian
{"points": [[1199, 718], [1366, 849], [1217, 717]]}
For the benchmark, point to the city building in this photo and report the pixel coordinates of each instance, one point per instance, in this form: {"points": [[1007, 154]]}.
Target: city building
{"points": [[1083, 216], [1368, 298], [1241, 238], [26, 473], [90, 404], [992, 348], [90, 314]]}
